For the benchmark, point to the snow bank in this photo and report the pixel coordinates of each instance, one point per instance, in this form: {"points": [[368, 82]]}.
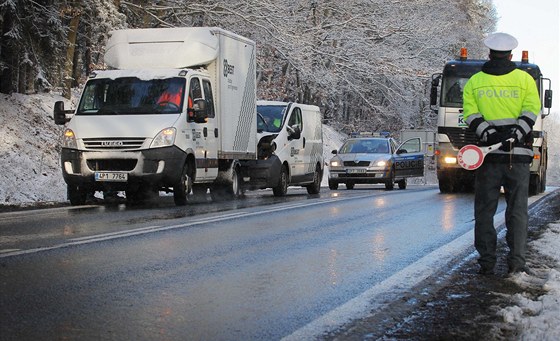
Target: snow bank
{"points": [[539, 318], [29, 149]]}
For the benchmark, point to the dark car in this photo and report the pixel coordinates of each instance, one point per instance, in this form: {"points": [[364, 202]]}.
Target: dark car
{"points": [[375, 160]]}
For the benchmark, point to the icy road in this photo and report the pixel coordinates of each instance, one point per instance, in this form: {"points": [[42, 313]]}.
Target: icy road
{"points": [[258, 268]]}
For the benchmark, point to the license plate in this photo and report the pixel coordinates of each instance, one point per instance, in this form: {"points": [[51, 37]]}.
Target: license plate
{"points": [[354, 171], [111, 176]]}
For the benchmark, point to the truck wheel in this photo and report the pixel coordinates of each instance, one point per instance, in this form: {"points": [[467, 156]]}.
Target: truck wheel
{"points": [[234, 189], [349, 185], [445, 184], [182, 188], [227, 189], [282, 188], [402, 184], [333, 185], [534, 184], [76, 195], [315, 187]]}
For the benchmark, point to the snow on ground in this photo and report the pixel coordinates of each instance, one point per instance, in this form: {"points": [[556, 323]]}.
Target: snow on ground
{"points": [[538, 318], [30, 172]]}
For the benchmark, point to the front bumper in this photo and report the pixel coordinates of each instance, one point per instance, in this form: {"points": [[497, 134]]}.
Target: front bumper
{"points": [[158, 167], [359, 176], [262, 173]]}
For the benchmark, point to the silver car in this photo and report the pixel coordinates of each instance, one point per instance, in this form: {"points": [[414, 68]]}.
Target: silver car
{"points": [[375, 160]]}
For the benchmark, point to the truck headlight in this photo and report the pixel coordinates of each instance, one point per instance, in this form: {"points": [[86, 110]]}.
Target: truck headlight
{"points": [[450, 160], [69, 139], [164, 138]]}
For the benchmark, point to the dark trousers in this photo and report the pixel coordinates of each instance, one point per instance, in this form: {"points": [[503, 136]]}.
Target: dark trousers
{"points": [[489, 178]]}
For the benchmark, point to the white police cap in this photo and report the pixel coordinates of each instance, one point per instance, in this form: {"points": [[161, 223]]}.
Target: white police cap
{"points": [[500, 42]]}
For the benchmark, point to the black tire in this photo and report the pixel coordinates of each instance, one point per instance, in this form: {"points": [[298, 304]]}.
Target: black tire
{"points": [[402, 184], [535, 184], [445, 184], [333, 185], [76, 195], [282, 188], [390, 183], [315, 187], [234, 189], [227, 190], [182, 188], [349, 185]]}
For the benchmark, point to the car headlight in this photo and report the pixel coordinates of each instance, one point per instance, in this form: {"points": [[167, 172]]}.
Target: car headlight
{"points": [[164, 138], [335, 163], [381, 163], [69, 139]]}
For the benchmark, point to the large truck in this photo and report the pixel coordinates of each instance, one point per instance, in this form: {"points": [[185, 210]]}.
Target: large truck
{"points": [[452, 131], [175, 112]]}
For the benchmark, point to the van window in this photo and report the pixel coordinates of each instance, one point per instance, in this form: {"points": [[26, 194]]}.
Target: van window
{"points": [[296, 119]]}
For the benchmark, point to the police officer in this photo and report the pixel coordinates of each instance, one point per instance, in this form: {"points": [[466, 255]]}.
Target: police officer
{"points": [[500, 104]]}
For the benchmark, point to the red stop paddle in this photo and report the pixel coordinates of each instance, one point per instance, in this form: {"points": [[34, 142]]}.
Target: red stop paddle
{"points": [[470, 157]]}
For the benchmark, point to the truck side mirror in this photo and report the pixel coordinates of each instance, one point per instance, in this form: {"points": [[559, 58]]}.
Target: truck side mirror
{"points": [[59, 113], [199, 111], [548, 99], [434, 92]]}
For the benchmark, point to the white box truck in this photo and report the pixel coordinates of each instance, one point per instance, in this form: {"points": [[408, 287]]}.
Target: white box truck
{"points": [[289, 149], [176, 112]]}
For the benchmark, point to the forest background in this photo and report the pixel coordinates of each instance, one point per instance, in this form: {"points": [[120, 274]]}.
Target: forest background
{"points": [[366, 63]]}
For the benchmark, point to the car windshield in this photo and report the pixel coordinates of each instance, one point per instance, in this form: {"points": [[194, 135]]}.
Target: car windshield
{"points": [[374, 146], [270, 118], [131, 95]]}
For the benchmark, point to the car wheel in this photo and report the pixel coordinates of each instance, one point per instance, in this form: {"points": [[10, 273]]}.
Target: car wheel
{"points": [[402, 184], [315, 187], [282, 188], [333, 185], [349, 185], [390, 183]]}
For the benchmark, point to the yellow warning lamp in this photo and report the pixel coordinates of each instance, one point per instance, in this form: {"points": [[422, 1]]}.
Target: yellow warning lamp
{"points": [[464, 53], [525, 56]]}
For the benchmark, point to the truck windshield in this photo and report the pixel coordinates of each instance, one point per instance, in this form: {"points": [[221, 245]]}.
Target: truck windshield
{"points": [[132, 96], [270, 118], [452, 91]]}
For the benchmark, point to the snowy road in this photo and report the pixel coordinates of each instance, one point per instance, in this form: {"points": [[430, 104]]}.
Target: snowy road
{"points": [[228, 271]]}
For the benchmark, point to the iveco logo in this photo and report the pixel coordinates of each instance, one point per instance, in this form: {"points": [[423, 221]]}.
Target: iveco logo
{"points": [[112, 143], [228, 69]]}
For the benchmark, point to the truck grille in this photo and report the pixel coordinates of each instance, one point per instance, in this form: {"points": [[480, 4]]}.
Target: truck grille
{"points": [[117, 143], [122, 165], [459, 137]]}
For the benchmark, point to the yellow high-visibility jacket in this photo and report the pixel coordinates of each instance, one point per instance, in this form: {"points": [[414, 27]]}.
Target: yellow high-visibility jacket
{"points": [[501, 102]]}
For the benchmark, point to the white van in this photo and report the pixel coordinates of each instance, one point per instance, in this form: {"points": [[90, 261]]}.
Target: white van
{"points": [[290, 148]]}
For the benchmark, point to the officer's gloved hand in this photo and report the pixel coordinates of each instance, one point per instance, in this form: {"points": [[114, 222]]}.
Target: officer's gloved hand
{"points": [[517, 133], [491, 136], [509, 142]]}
